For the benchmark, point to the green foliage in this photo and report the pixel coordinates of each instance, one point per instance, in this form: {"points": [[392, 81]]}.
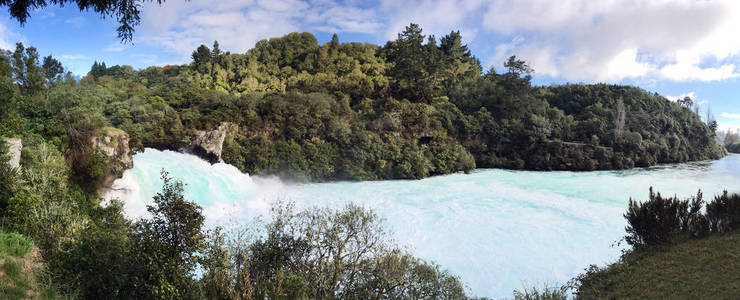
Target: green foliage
{"points": [[320, 253], [7, 178], [545, 293], [723, 213], [15, 245], [416, 107], [660, 220], [164, 248], [666, 259], [693, 268], [96, 265], [733, 148]]}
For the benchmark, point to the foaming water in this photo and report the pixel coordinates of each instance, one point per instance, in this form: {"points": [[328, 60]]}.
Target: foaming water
{"points": [[497, 229]]}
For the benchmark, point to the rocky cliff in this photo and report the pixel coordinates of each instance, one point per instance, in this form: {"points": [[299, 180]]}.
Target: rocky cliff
{"points": [[14, 149], [113, 143], [208, 144]]}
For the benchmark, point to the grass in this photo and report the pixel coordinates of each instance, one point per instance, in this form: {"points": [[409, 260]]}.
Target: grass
{"points": [[20, 270], [693, 269], [14, 245]]}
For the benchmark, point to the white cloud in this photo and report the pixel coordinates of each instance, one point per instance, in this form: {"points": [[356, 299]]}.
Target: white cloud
{"points": [[117, 47], [577, 40], [676, 98], [73, 57], [8, 38], [618, 39], [76, 21], [181, 26], [437, 17], [730, 115]]}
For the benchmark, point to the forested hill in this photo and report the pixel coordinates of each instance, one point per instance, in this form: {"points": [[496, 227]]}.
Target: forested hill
{"points": [[415, 107]]}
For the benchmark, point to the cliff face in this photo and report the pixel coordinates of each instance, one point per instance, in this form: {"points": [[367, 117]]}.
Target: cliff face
{"points": [[14, 149], [209, 144], [113, 143]]}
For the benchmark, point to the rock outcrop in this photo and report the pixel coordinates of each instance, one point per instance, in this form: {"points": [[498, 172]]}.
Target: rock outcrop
{"points": [[113, 143], [14, 149], [208, 144]]}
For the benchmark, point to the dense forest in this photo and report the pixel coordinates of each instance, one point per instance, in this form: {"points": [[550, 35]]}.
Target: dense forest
{"points": [[414, 107]]}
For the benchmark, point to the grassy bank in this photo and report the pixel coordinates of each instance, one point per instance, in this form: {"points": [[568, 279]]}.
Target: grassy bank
{"points": [[707, 268]]}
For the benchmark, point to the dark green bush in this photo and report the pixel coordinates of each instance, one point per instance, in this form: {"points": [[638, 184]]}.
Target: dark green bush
{"points": [[659, 220], [723, 213]]}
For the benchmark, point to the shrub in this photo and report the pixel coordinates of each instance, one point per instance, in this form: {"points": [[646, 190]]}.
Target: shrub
{"points": [[723, 213], [165, 247], [328, 254], [659, 220]]}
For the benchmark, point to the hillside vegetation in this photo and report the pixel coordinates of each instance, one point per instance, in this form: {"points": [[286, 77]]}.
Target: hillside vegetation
{"points": [[414, 107]]}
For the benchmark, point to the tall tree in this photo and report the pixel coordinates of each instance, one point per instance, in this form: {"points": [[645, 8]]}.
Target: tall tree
{"points": [[414, 63], [202, 59], [166, 245], [686, 102], [458, 63], [52, 69], [517, 66], [619, 120], [215, 60], [26, 69]]}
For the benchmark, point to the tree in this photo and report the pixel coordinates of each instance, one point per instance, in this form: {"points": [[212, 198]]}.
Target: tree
{"points": [[619, 119], [215, 60], [26, 69], [340, 254], [333, 44], [52, 69], [201, 59], [414, 63], [126, 12], [98, 69], [517, 66], [7, 178], [686, 102], [732, 137], [165, 247]]}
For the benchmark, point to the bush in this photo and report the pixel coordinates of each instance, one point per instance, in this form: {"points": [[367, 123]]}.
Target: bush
{"points": [[165, 248], [723, 213], [659, 220], [329, 254]]}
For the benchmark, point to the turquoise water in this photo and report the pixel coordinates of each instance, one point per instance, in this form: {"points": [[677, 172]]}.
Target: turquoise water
{"points": [[497, 229]]}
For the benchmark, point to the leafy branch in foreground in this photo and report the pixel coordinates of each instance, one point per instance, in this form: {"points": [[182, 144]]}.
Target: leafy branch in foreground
{"points": [[126, 12]]}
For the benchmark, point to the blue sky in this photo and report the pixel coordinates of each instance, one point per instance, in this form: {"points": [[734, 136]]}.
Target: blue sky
{"points": [[674, 48]]}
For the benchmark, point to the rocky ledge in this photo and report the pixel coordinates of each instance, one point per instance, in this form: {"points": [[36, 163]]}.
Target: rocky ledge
{"points": [[14, 149], [113, 143], [208, 144]]}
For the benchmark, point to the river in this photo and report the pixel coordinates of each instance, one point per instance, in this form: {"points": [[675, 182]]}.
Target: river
{"points": [[497, 229]]}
